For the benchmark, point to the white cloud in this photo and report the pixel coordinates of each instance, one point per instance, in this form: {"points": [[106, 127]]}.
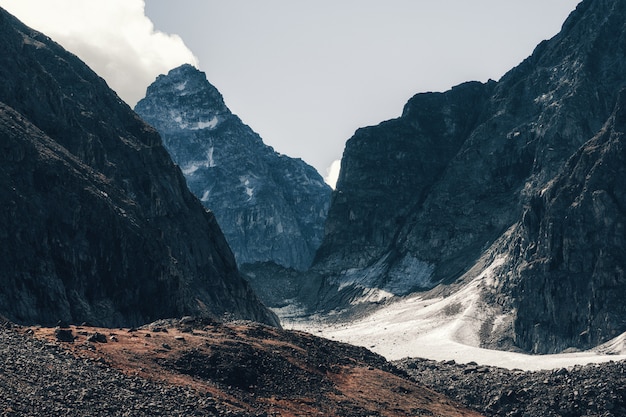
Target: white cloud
{"points": [[114, 37], [332, 173]]}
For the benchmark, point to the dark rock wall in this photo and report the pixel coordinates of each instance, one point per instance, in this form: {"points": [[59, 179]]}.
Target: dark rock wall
{"points": [[442, 185], [452, 169], [389, 170], [98, 223], [569, 250]]}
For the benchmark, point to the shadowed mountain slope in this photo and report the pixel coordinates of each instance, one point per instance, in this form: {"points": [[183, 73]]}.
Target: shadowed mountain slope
{"points": [[97, 223]]}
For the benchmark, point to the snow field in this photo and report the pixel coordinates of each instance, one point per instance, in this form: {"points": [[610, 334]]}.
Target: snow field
{"points": [[446, 329]]}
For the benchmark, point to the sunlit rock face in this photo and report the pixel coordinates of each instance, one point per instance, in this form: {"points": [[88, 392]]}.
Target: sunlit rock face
{"points": [[270, 207], [97, 224], [427, 198]]}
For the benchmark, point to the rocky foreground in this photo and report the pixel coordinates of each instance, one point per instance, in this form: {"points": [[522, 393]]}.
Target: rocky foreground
{"points": [[97, 223], [191, 368], [592, 390]]}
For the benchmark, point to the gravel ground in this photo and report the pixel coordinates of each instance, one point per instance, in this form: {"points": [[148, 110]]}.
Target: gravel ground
{"points": [[41, 379], [190, 368], [591, 390]]}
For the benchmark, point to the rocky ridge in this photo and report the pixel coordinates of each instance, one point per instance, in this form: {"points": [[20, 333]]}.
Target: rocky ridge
{"points": [[97, 223], [456, 189], [459, 165], [271, 207]]}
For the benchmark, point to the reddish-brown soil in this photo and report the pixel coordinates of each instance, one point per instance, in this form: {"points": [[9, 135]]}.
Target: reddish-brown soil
{"points": [[254, 368]]}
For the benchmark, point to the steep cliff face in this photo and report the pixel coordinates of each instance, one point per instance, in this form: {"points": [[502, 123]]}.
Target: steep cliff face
{"points": [[429, 197], [388, 172], [565, 258], [270, 207], [97, 223]]}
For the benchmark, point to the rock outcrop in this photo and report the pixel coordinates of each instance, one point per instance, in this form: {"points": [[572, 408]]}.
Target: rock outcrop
{"points": [[270, 207], [97, 224], [565, 258], [431, 198], [591, 390]]}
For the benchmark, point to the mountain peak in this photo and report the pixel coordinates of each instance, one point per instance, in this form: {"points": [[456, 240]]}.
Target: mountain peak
{"points": [[270, 207], [203, 104]]}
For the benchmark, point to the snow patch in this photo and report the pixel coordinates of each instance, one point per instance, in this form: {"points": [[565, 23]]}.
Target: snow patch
{"points": [[205, 196], [199, 125], [488, 276], [362, 277], [408, 274], [249, 190], [291, 310], [181, 86], [446, 328], [211, 124], [210, 159], [373, 295], [193, 166], [616, 346], [403, 277], [544, 98], [190, 168], [417, 328]]}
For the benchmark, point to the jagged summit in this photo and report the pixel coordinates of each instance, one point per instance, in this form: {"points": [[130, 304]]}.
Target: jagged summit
{"points": [[98, 225], [201, 105], [270, 207]]}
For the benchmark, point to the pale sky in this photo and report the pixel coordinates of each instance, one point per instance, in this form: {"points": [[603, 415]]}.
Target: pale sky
{"points": [[303, 74]]}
